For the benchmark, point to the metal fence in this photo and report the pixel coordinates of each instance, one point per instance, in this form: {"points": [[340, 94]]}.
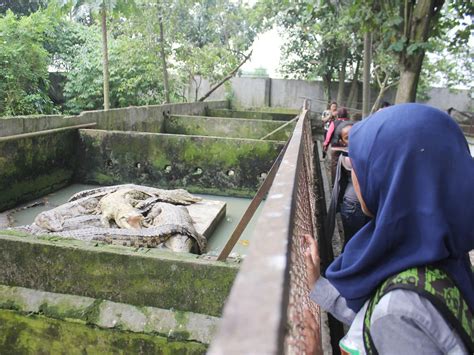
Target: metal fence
{"points": [[268, 309]]}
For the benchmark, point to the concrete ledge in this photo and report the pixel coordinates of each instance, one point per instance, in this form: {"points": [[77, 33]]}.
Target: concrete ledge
{"points": [[32, 334], [256, 115], [141, 277], [226, 127], [110, 315]]}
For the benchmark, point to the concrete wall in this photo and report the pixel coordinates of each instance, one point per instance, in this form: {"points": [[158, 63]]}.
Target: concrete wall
{"points": [[258, 92], [225, 127], [35, 161], [152, 278], [36, 165], [221, 166], [143, 118]]}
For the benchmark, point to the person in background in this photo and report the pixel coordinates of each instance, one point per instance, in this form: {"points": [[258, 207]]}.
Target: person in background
{"points": [[384, 104], [334, 140], [357, 116], [344, 198], [329, 115], [404, 282]]}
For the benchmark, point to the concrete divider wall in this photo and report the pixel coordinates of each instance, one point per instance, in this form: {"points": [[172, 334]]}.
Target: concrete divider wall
{"points": [[148, 118], [225, 127], [221, 166], [145, 277], [34, 166], [142, 118], [251, 114]]}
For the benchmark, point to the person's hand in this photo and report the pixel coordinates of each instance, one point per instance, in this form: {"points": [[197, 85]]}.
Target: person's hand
{"points": [[313, 268]]}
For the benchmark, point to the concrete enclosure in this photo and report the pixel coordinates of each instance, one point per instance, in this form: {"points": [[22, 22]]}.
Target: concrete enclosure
{"points": [[138, 300]]}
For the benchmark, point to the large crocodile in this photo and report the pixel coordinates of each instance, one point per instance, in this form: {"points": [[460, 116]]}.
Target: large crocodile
{"points": [[165, 223]]}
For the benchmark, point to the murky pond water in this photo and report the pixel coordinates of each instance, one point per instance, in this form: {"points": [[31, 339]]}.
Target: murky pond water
{"points": [[235, 208]]}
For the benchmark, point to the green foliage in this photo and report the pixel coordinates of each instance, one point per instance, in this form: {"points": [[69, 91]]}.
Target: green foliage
{"points": [[321, 40], [22, 7], [24, 65], [135, 73]]}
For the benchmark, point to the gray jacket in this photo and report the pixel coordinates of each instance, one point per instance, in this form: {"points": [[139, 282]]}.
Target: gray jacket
{"points": [[402, 323]]}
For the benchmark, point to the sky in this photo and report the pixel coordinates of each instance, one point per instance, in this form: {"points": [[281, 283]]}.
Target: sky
{"points": [[266, 53]]}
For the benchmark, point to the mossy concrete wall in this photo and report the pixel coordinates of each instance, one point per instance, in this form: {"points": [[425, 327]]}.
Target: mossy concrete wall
{"points": [[256, 115], [147, 118], [140, 277], [31, 167], [221, 166], [33, 334], [226, 127], [142, 118], [104, 314]]}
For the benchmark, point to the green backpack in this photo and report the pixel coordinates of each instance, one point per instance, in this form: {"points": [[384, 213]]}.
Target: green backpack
{"points": [[434, 285]]}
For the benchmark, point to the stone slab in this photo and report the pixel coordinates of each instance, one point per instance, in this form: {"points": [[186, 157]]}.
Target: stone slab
{"points": [[110, 315]]}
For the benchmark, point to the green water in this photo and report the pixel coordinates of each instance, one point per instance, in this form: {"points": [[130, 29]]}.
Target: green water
{"points": [[235, 208]]}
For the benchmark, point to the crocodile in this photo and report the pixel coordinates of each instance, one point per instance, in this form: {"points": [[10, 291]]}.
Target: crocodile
{"points": [[167, 214], [142, 219], [118, 206], [176, 196]]}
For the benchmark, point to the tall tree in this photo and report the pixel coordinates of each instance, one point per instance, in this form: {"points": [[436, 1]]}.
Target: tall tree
{"points": [[419, 18], [321, 41], [103, 7]]}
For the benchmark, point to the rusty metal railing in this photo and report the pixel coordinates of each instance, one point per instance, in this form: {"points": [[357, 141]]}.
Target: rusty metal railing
{"points": [[266, 310]]}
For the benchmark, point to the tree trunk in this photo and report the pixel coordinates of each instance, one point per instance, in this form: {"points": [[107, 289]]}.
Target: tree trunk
{"points": [[342, 78], [382, 92], [366, 83], [354, 87], [327, 86], [418, 22], [409, 77], [163, 57], [105, 62]]}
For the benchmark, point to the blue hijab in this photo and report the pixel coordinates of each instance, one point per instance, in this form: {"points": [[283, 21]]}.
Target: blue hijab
{"points": [[416, 176]]}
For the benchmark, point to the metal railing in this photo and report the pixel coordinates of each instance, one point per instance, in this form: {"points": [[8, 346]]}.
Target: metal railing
{"points": [[266, 309]]}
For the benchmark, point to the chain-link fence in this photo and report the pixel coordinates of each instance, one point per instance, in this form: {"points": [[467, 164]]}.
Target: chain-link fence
{"points": [[268, 310]]}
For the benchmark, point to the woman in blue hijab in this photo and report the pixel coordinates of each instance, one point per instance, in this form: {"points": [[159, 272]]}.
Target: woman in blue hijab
{"points": [[415, 178]]}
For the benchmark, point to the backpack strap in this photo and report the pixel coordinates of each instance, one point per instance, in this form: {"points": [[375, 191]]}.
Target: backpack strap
{"points": [[438, 288]]}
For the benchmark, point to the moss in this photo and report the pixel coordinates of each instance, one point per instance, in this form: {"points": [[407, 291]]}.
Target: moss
{"points": [[10, 304], [14, 233], [153, 279], [103, 179], [118, 162], [42, 335], [35, 166]]}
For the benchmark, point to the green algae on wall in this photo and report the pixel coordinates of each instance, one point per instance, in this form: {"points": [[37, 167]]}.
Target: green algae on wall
{"points": [[222, 166], [31, 167], [21, 334], [120, 274], [226, 127], [256, 115]]}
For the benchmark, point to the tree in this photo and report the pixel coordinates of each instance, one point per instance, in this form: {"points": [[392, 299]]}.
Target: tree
{"points": [[22, 7], [408, 30], [322, 41], [103, 7], [24, 65]]}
